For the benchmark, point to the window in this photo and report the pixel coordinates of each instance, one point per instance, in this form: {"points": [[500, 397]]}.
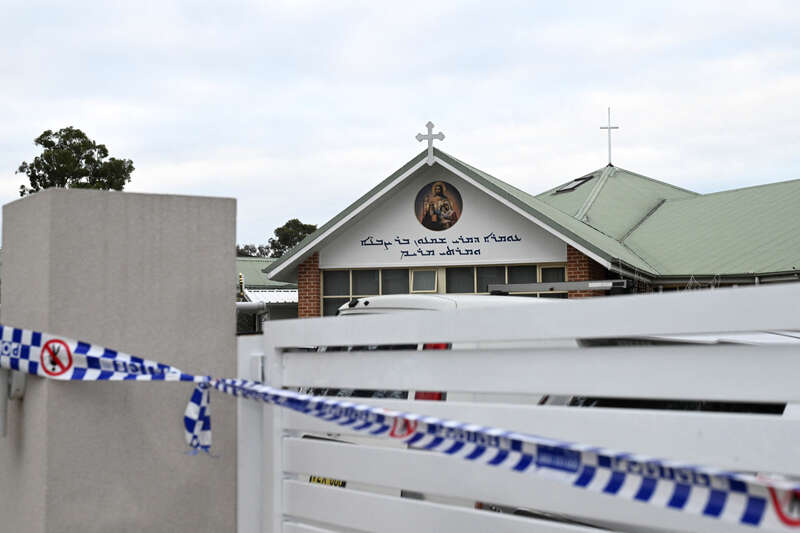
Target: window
{"points": [[552, 275], [336, 283], [339, 286], [460, 279], [466, 280], [523, 274], [394, 281], [423, 281], [574, 184], [490, 276], [365, 282], [331, 305]]}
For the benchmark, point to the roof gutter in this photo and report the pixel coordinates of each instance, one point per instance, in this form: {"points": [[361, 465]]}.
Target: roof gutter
{"points": [[251, 308], [629, 271], [743, 279]]}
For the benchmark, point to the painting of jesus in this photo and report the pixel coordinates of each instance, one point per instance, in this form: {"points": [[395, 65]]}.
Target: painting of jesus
{"points": [[438, 206]]}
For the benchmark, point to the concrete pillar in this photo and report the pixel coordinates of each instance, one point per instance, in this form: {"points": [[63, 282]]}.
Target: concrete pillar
{"points": [[151, 275]]}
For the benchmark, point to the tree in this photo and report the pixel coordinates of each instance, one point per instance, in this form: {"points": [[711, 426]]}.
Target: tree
{"points": [[251, 250], [288, 236], [70, 159]]}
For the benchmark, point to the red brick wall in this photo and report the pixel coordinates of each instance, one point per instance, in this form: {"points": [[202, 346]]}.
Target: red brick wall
{"points": [[583, 268], [308, 289]]}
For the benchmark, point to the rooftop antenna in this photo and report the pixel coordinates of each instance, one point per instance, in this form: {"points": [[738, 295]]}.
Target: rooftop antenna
{"points": [[609, 128], [430, 137]]}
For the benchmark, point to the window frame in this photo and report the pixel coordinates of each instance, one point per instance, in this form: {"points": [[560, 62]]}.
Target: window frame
{"points": [[539, 267], [439, 284], [350, 294], [411, 272]]}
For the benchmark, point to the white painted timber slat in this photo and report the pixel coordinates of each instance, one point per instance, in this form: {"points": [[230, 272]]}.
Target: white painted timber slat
{"points": [[731, 441], [249, 452], [295, 527], [437, 474], [386, 514], [729, 310], [722, 372]]}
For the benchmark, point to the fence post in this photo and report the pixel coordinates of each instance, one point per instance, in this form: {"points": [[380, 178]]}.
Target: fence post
{"points": [[273, 440], [249, 438]]}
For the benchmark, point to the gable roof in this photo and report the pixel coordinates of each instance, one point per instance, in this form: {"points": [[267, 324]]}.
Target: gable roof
{"points": [[285, 267], [588, 240], [627, 222], [252, 270]]}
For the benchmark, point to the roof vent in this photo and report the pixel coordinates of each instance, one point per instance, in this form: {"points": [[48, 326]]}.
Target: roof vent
{"points": [[574, 184]]}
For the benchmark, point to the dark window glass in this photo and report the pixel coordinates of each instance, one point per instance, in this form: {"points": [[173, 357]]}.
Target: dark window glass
{"points": [[552, 275], [552, 294], [331, 305], [365, 282], [460, 279], [522, 274], [336, 283], [394, 281], [490, 276], [424, 280]]}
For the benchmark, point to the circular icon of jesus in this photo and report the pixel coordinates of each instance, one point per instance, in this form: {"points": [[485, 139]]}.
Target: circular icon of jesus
{"points": [[438, 206]]}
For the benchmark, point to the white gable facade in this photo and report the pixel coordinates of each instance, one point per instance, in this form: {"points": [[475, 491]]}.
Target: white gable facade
{"points": [[390, 233]]}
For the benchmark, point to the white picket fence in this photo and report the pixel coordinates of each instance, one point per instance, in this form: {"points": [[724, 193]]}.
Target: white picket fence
{"points": [[511, 351]]}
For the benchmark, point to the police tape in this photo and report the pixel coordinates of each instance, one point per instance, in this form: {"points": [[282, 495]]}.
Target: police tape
{"points": [[752, 500], [55, 357]]}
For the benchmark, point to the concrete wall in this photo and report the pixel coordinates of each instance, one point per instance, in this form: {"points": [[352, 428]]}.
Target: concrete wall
{"points": [[150, 275]]}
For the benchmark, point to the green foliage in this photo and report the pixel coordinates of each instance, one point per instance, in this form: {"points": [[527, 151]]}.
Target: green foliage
{"points": [[288, 236], [251, 250], [70, 159]]}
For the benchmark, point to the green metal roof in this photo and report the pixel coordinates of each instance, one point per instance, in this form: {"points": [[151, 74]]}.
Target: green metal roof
{"points": [[636, 223], [615, 200], [742, 231], [583, 234], [252, 269]]}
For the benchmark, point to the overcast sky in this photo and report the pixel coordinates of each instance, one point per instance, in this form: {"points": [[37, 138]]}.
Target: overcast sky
{"points": [[296, 108]]}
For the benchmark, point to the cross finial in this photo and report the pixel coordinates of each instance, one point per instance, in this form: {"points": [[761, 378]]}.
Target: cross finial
{"points": [[609, 128], [430, 137]]}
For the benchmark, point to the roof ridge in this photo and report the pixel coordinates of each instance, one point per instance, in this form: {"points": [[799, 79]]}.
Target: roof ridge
{"points": [[631, 250], [642, 220], [595, 192], [658, 181], [745, 188]]}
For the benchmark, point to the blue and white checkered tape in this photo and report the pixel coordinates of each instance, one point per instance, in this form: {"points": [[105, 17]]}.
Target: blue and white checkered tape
{"points": [[767, 503]]}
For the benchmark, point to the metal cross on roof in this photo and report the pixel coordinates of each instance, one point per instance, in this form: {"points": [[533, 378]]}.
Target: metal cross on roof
{"points": [[430, 137], [609, 128]]}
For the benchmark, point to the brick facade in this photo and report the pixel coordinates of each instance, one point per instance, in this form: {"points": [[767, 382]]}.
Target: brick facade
{"points": [[308, 288], [583, 268]]}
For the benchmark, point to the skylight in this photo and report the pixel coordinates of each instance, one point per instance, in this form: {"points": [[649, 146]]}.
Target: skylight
{"points": [[574, 184]]}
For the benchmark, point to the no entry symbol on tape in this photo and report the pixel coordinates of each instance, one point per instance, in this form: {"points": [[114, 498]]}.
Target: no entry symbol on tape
{"points": [[56, 357]]}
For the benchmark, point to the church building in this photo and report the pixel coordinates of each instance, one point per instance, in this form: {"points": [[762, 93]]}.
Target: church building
{"points": [[440, 225]]}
